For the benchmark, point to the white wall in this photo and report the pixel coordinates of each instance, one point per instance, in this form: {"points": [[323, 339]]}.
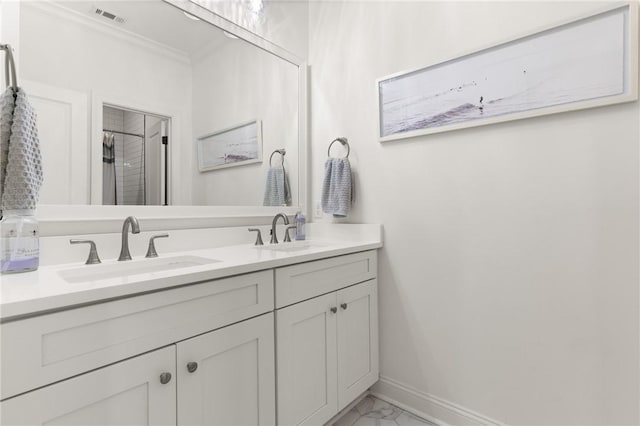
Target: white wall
{"points": [[509, 276], [9, 21], [253, 84]]}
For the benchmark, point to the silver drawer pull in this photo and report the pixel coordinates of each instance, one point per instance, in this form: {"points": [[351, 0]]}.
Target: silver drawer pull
{"points": [[192, 366], [165, 378]]}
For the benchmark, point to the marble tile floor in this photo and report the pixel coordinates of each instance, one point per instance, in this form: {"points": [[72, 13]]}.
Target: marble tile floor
{"points": [[372, 411]]}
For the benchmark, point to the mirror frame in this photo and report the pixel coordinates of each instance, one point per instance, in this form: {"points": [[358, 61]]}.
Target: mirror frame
{"points": [[87, 219]]}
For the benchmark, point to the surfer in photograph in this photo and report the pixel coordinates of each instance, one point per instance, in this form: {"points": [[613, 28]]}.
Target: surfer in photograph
{"points": [[481, 105]]}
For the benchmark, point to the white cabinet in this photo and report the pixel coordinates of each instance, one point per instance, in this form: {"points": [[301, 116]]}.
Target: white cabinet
{"points": [[44, 349], [67, 367], [126, 393], [357, 340], [307, 361], [224, 377], [327, 353], [227, 377], [103, 363], [306, 280]]}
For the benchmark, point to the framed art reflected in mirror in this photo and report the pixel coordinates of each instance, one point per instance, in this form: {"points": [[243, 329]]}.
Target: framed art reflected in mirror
{"points": [[235, 146]]}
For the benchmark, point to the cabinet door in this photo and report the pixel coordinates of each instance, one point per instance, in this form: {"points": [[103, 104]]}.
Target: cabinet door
{"points": [[357, 340], [226, 377], [306, 347], [126, 393]]}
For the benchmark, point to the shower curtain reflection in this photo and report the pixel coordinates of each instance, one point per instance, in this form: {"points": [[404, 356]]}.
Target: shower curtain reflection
{"points": [[109, 195]]}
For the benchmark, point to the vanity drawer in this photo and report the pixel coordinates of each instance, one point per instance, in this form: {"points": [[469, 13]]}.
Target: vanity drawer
{"points": [[306, 280], [47, 348]]}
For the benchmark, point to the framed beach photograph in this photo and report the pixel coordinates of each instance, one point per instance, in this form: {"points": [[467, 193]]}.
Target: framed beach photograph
{"points": [[233, 146], [580, 64]]}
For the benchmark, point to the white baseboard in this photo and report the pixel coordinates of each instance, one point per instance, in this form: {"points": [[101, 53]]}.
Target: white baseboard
{"points": [[429, 407]]}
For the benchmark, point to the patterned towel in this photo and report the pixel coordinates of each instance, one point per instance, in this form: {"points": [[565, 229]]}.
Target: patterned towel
{"points": [[21, 169], [337, 187], [277, 191], [7, 104]]}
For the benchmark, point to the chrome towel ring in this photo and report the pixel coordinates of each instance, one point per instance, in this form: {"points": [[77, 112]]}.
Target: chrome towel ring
{"points": [[282, 152], [344, 143]]}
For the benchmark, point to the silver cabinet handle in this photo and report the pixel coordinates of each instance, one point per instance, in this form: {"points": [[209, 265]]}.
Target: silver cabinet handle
{"points": [[165, 378], [343, 306], [93, 252], [192, 366], [151, 251], [334, 310]]}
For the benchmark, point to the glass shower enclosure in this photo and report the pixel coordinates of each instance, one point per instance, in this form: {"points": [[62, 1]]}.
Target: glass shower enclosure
{"points": [[134, 157]]}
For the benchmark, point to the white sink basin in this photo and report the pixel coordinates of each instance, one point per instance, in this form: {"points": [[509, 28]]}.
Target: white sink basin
{"points": [[90, 273], [293, 246]]}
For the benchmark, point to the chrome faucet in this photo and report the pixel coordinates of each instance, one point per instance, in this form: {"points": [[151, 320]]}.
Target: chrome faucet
{"points": [[274, 238], [135, 229]]}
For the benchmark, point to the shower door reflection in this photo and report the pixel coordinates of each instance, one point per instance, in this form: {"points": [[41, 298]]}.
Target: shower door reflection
{"points": [[133, 161]]}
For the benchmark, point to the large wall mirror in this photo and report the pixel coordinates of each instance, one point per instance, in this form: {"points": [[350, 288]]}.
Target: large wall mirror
{"points": [[134, 96]]}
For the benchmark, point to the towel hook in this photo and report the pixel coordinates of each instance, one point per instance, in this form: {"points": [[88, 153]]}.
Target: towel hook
{"points": [[344, 143], [9, 65], [281, 151]]}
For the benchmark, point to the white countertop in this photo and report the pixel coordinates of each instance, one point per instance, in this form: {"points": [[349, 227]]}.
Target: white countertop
{"points": [[45, 290]]}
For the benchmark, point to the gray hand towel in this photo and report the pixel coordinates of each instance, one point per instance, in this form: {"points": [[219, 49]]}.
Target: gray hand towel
{"points": [[277, 191], [22, 172], [337, 187], [7, 104]]}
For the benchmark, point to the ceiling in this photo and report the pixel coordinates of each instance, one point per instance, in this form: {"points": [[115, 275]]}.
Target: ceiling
{"points": [[152, 19]]}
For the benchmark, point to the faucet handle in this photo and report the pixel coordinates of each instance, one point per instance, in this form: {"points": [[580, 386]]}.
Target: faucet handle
{"points": [[286, 233], [258, 237], [151, 251], [93, 251]]}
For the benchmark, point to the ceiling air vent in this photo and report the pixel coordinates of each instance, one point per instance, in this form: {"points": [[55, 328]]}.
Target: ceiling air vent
{"points": [[108, 15]]}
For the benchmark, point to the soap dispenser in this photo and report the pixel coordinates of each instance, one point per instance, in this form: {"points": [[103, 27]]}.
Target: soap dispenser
{"points": [[20, 246], [300, 222]]}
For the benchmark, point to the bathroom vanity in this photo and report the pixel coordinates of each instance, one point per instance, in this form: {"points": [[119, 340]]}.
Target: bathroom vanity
{"points": [[287, 329], [215, 330]]}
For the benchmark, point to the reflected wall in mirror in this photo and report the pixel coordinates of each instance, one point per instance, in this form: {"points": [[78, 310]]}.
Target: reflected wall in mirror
{"points": [[80, 59]]}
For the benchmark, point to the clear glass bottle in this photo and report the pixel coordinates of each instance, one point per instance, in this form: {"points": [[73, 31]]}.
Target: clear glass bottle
{"points": [[20, 247]]}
